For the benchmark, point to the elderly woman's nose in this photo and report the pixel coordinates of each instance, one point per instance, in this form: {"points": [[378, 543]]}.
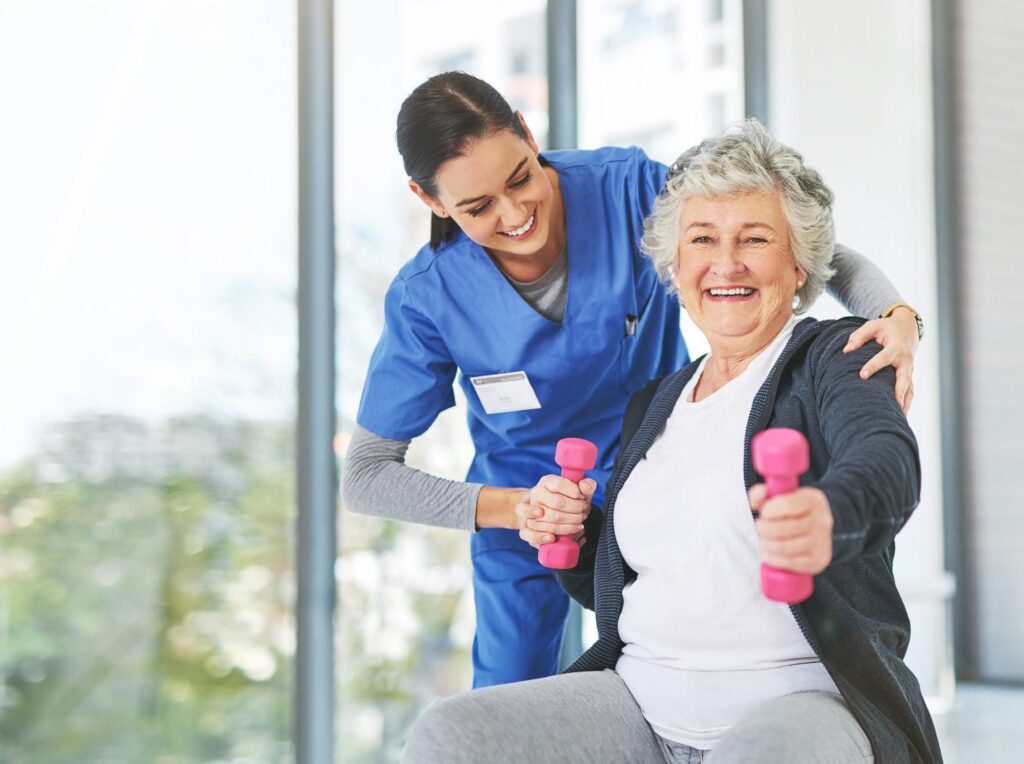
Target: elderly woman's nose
{"points": [[727, 260]]}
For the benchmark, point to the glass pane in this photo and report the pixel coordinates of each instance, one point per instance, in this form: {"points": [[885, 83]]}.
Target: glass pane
{"points": [[662, 75], [146, 447], [406, 619]]}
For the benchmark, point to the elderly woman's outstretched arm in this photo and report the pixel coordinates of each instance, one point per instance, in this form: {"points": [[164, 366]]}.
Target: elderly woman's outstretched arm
{"points": [[874, 475], [872, 481]]}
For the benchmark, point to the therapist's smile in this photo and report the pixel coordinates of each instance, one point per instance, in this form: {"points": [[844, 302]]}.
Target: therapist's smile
{"points": [[525, 230]]}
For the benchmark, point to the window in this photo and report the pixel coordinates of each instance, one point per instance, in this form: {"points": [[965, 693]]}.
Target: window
{"points": [[147, 450], [406, 616]]}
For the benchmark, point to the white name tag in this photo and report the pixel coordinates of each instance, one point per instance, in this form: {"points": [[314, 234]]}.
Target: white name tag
{"points": [[502, 393]]}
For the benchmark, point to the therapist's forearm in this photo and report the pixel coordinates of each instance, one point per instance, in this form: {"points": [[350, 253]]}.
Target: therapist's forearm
{"points": [[496, 507], [376, 481], [860, 285]]}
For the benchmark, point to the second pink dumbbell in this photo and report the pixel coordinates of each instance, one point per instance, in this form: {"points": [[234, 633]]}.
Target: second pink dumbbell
{"points": [[575, 456], [781, 455]]}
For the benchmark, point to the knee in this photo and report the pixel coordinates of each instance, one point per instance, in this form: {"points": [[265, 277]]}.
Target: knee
{"points": [[436, 736]]}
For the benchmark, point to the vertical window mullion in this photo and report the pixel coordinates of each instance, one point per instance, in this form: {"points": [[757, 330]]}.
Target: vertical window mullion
{"points": [[316, 468], [563, 134]]}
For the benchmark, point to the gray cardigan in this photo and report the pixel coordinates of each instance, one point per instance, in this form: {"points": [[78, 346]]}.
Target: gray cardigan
{"points": [[864, 458]]}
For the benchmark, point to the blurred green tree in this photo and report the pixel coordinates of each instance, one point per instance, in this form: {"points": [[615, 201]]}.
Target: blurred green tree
{"points": [[147, 608]]}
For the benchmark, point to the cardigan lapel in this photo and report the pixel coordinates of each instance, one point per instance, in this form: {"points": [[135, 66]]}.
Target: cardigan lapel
{"points": [[653, 423], [610, 573]]}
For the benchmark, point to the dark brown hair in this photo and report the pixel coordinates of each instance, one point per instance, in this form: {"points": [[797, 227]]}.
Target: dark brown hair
{"points": [[436, 122]]}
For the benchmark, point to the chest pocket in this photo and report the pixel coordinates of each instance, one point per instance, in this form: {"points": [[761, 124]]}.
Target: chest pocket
{"points": [[642, 341]]}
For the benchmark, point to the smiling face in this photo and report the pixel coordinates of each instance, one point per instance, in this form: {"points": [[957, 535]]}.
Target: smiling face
{"points": [[500, 196], [735, 271]]}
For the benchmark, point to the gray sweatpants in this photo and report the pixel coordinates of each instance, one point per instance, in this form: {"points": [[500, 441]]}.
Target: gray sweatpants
{"points": [[591, 718]]}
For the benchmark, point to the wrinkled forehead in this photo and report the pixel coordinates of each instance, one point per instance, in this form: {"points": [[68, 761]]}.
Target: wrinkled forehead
{"points": [[733, 210]]}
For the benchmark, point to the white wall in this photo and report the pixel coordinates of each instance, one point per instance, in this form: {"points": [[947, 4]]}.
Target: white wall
{"points": [[990, 175], [850, 87]]}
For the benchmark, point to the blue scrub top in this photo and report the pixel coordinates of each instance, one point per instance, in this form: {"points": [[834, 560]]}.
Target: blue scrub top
{"points": [[451, 313]]}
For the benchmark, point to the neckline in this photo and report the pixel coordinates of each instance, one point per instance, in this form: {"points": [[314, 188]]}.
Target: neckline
{"points": [[763, 361], [570, 267], [557, 268]]}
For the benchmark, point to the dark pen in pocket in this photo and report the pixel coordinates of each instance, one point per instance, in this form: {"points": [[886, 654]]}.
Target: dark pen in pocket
{"points": [[630, 324]]}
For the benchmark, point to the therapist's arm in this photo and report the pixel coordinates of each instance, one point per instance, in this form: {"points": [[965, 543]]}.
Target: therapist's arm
{"points": [[496, 507], [377, 481], [860, 285], [865, 291]]}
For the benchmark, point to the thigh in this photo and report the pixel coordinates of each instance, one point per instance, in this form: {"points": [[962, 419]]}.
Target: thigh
{"points": [[804, 728], [520, 617], [587, 717]]}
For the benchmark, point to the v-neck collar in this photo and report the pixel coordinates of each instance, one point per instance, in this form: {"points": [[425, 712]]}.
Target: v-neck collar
{"points": [[570, 266]]}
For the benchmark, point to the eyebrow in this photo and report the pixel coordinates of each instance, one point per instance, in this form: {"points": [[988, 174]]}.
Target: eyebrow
{"points": [[508, 180], [743, 227]]}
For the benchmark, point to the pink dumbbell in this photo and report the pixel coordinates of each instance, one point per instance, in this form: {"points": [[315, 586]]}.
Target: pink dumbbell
{"points": [[781, 455], [575, 456]]}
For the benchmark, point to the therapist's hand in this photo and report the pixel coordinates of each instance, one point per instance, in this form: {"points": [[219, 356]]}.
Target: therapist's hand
{"points": [[898, 337], [555, 506], [794, 530]]}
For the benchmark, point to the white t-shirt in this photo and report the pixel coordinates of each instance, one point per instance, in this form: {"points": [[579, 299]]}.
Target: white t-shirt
{"points": [[702, 644]]}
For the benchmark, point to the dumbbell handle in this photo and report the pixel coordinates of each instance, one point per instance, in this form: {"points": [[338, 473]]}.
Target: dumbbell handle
{"points": [[575, 475], [779, 484]]}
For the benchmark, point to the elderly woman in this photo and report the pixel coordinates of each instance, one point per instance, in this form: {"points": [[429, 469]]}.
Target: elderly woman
{"points": [[692, 661]]}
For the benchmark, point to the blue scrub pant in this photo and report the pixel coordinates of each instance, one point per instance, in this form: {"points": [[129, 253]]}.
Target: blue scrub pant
{"points": [[520, 611]]}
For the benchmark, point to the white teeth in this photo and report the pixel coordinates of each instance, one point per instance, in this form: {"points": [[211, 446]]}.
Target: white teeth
{"points": [[522, 229], [733, 292]]}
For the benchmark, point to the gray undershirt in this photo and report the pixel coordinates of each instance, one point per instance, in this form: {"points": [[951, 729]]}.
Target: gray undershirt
{"points": [[548, 294], [376, 481]]}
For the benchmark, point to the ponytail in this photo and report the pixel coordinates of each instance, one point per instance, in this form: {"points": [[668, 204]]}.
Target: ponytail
{"points": [[442, 230]]}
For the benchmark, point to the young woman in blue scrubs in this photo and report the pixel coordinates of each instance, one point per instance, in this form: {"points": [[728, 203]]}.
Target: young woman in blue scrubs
{"points": [[533, 295]]}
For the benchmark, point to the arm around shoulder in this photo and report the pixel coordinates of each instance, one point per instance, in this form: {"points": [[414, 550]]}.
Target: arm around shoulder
{"points": [[860, 285]]}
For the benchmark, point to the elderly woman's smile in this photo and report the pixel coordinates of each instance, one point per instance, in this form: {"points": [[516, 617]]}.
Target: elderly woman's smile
{"points": [[735, 270]]}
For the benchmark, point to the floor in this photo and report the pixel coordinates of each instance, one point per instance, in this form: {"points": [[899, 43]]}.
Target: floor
{"points": [[986, 725]]}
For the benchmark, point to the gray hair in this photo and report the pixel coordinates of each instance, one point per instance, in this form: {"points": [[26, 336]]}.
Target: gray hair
{"points": [[746, 158]]}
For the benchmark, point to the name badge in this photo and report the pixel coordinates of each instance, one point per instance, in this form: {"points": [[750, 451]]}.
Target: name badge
{"points": [[503, 393]]}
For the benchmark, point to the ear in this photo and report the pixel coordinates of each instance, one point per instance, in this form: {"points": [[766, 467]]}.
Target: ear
{"points": [[529, 135], [427, 199], [801, 278]]}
